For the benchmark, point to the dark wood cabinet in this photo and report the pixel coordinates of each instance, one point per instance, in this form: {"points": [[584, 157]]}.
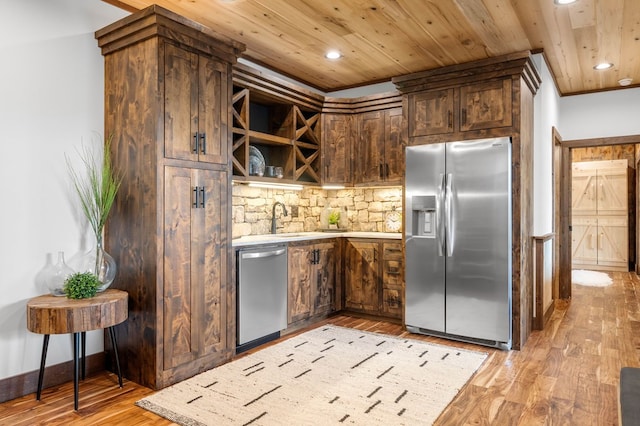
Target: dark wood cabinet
{"points": [[167, 97], [469, 107], [486, 105], [380, 156], [430, 112], [373, 277], [194, 112], [312, 272], [194, 265], [337, 144]]}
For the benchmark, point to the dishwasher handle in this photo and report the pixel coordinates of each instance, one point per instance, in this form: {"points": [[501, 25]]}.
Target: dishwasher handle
{"points": [[263, 254]]}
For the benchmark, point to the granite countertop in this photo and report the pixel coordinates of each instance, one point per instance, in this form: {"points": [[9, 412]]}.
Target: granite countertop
{"points": [[252, 240]]}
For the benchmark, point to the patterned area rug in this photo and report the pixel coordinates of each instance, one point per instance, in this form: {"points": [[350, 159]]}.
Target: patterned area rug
{"points": [[329, 375], [590, 278]]}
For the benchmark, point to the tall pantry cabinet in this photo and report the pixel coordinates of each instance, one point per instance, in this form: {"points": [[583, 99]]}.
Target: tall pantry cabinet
{"points": [[167, 94]]}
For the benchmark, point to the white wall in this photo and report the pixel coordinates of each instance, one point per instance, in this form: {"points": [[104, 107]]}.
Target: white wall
{"points": [[51, 101], [604, 114], [545, 118]]}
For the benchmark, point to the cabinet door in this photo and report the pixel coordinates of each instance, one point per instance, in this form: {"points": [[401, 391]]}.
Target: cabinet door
{"points": [[583, 192], [180, 103], [195, 274], [612, 191], [392, 280], [430, 112], [361, 276], [324, 272], [213, 141], [393, 148], [195, 89], [337, 138], [584, 242], [210, 251], [299, 304], [486, 105], [613, 245], [370, 148]]}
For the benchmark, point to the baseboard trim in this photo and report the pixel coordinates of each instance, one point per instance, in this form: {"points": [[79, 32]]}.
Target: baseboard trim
{"points": [[26, 383]]}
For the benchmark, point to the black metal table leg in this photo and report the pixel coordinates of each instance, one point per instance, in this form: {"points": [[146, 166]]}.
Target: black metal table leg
{"points": [[84, 352], [112, 333], [76, 367], [43, 358]]}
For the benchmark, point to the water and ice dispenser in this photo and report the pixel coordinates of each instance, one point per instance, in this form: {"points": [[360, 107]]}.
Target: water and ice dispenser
{"points": [[423, 215]]}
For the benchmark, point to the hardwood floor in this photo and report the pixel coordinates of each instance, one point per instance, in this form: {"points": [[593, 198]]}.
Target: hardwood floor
{"points": [[566, 374]]}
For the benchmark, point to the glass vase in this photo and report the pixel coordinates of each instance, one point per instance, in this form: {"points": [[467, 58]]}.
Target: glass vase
{"points": [[57, 276], [98, 262]]}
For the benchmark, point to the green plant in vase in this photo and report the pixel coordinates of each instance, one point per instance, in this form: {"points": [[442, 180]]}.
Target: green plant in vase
{"points": [[334, 218], [97, 190], [81, 285]]}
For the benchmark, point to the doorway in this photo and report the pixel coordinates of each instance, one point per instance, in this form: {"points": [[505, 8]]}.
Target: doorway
{"points": [[562, 200]]}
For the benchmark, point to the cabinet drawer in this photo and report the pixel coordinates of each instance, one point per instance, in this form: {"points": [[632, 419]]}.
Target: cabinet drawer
{"points": [[392, 251]]}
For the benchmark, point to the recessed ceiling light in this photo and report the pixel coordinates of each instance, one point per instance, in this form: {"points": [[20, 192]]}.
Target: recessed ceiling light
{"points": [[332, 54], [603, 66], [625, 81], [561, 2]]}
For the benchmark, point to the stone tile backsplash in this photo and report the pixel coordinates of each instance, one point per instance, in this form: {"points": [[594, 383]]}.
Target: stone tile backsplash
{"points": [[366, 208]]}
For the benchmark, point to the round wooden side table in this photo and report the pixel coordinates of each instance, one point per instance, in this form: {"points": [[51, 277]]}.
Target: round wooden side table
{"points": [[59, 315]]}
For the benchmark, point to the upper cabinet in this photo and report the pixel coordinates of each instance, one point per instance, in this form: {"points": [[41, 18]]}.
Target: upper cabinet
{"points": [[275, 125], [476, 106], [338, 134], [362, 140], [380, 156], [467, 101], [195, 111]]}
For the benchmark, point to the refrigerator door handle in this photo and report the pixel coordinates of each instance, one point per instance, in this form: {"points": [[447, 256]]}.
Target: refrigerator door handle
{"points": [[450, 231], [440, 217]]}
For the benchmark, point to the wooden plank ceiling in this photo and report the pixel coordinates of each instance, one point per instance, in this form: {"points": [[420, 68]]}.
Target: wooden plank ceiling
{"points": [[380, 39]]}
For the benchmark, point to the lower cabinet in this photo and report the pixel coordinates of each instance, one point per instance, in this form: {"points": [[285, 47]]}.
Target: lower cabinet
{"points": [[373, 279], [311, 281]]}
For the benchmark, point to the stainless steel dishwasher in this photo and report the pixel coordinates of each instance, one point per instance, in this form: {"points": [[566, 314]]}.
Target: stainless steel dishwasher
{"points": [[262, 295]]}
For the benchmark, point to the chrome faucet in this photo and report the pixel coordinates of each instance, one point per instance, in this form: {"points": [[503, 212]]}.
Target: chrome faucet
{"points": [[273, 215]]}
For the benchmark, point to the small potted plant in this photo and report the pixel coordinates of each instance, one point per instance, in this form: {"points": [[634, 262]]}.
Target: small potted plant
{"points": [[81, 285], [334, 218]]}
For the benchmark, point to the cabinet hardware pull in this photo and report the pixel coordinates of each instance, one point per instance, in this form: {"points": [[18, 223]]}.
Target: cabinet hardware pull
{"points": [[381, 171], [386, 169], [195, 143], [375, 255], [464, 116], [195, 197], [202, 197], [203, 145], [450, 119]]}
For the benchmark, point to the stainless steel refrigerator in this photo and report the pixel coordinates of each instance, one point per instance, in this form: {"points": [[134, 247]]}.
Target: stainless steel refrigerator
{"points": [[458, 240]]}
